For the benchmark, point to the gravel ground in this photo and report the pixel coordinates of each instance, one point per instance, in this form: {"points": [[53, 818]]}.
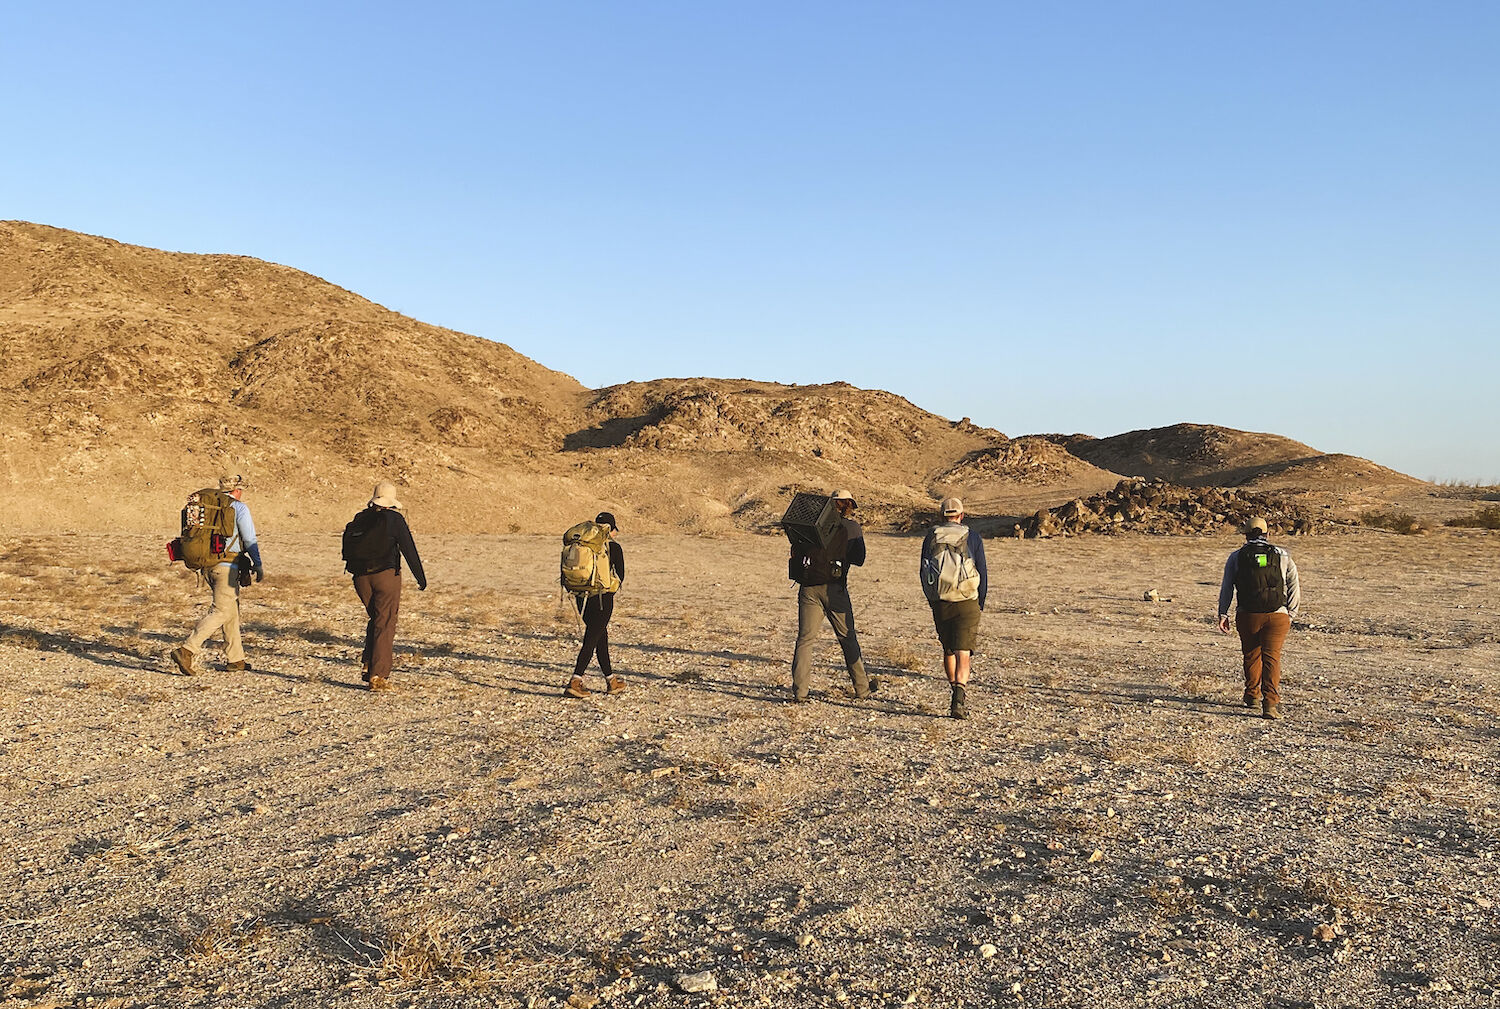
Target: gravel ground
{"points": [[1111, 828]]}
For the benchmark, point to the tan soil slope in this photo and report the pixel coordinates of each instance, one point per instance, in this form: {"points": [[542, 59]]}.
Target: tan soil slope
{"points": [[136, 370], [129, 376]]}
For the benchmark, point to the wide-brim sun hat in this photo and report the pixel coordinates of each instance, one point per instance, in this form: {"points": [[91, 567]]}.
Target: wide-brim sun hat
{"points": [[384, 495], [843, 495]]}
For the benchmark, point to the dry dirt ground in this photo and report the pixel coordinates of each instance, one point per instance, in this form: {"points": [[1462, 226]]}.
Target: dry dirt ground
{"points": [[1111, 828]]}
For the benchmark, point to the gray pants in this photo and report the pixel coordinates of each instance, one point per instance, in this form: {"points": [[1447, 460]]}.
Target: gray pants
{"points": [[814, 602]]}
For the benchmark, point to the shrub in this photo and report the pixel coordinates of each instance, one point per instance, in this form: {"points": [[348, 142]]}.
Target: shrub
{"points": [[1487, 517], [1404, 523]]}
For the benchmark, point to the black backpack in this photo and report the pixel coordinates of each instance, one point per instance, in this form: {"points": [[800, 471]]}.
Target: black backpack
{"points": [[368, 540], [823, 565], [1258, 578]]}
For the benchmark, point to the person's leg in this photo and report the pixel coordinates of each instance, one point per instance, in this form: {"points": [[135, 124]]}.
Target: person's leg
{"points": [[1249, 626], [1272, 638], [593, 628], [366, 593], [810, 600], [606, 611], [386, 602], [218, 613], [950, 666], [840, 612], [234, 649]]}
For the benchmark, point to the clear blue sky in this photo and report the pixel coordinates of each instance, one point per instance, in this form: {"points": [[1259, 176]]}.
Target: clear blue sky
{"points": [[1047, 217]]}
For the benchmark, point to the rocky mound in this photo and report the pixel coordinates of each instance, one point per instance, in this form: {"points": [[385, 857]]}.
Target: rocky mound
{"points": [[1031, 459], [1162, 508], [1192, 454]]}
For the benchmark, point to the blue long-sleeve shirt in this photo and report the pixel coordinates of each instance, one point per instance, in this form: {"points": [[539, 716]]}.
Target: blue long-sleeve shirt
{"points": [[243, 541], [976, 551]]}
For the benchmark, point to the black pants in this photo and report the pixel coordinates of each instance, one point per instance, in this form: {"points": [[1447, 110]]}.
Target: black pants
{"points": [[596, 612]]}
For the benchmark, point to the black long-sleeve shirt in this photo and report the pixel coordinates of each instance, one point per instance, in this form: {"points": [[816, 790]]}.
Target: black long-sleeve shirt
{"points": [[617, 561], [402, 545]]}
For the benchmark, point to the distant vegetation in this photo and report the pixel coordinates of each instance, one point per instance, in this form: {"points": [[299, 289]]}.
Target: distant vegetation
{"points": [[1487, 517], [1404, 523]]}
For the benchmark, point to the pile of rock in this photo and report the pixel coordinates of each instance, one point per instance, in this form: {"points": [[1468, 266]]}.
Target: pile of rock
{"points": [[1161, 508]]}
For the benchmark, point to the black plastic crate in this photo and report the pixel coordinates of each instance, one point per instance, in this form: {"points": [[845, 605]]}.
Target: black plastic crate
{"points": [[810, 521]]}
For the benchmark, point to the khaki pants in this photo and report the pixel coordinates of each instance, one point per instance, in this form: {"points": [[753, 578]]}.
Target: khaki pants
{"points": [[381, 595], [814, 602], [225, 615], [1261, 638]]}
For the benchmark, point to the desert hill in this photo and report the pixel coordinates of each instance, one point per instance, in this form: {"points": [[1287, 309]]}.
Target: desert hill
{"points": [[131, 375]]}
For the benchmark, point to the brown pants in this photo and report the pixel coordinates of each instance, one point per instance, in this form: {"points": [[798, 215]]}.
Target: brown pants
{"points": [[381, 594], [1261, 638]]}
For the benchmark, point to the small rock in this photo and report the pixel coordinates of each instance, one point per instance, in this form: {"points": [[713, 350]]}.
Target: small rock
{"points": [[1152, 596], [1097, 856], [988, 950], [1325, 933], [701, 981], [805, 940]]}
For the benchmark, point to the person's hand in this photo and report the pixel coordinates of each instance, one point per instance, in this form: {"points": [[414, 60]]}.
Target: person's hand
{"points": [[1223, 623], [260, 574]]}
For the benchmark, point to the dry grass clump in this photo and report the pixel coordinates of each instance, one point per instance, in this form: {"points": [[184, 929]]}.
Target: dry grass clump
{"points": [[1404, 523], [1171, 901], [221, 940], [429, 953], [1487, 517], [899, 655], [1331, 888]]}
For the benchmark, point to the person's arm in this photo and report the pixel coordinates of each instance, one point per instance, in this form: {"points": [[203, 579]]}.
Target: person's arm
{"points": [[856, 554], [976, 550], [409, 551], [245, 529], [1226, 590], [617, 561], [1293, 587]]}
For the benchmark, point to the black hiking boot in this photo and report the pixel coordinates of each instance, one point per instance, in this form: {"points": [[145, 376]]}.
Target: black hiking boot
{"points": [[1251, 700], [959, 708]]}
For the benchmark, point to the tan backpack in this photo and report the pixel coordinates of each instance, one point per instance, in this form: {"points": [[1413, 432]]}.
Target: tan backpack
{"points": [[208, 527], [585, 569]]}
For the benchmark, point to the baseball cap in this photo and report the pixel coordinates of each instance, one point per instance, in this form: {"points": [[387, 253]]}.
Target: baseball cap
{"points": [[952, 506], [1255, 525]]}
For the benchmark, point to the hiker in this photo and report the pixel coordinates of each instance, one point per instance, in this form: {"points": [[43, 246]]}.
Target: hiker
{"points": [[218, 541], [955, 582], [374, 542], [1265, 579], [823, 577], [596, 600]]}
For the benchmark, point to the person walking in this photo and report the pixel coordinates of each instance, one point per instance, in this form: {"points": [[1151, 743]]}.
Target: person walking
{"points": [[597, 609], [374, 542], [823, 593], [224, 580], [956, 582], [1265, 579]]}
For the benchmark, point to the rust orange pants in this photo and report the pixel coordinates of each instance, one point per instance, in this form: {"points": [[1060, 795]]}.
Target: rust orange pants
{"points": [[1261, 638]]}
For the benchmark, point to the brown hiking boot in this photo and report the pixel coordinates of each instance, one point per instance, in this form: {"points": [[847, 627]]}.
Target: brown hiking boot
{"points": [[379, 683], [1269, 710], [613, 685], [575, 688], [184, 660], [237, 667]]}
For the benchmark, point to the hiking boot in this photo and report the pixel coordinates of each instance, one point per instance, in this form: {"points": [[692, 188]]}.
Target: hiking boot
{"points": [[379, 683], [959, 708], [874, 684], [801, 699], [1270, 710], [613, 684], [184, 660], [364, 669], [237, 667], [575, 688], [1251, 700]]}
